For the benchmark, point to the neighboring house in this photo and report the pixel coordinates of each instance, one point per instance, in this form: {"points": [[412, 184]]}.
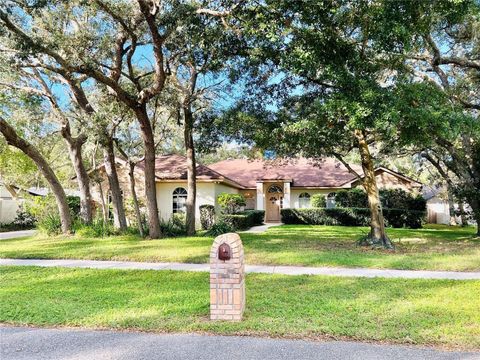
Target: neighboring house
{"points": [[438, 209], [11, 200], [268, 186]]}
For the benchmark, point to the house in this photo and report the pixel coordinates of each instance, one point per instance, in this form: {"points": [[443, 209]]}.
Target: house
{"points": [[438, 208], [266, 185], [12, 199]]}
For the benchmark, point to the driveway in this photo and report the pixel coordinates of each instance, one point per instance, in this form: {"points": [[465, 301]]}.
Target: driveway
{"points": [[34, 344], [16, 234]]}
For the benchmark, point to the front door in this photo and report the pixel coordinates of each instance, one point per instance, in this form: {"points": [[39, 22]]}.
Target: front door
{"points": [[274, 203]]}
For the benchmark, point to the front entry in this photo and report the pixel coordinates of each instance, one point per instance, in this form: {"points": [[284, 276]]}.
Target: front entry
{"points": [[274, 202]]}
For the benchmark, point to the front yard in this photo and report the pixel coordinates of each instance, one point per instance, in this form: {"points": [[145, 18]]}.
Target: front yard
{"points": [[431, 248], [427, 312]]}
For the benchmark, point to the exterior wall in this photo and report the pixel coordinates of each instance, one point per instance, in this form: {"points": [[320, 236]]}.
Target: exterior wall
{"points": [[250, 199], [8, 206], [295, 194], [389, 181]]}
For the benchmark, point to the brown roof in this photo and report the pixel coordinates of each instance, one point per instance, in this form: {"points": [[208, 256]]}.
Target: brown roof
{"points": [[174, 167], [302, 172]]}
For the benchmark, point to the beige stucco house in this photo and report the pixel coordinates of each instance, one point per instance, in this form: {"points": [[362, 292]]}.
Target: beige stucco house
{"points": [[266, 185]]}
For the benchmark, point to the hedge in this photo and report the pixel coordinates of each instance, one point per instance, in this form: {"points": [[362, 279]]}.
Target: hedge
{"points": [[352, 217], [245, 219]]}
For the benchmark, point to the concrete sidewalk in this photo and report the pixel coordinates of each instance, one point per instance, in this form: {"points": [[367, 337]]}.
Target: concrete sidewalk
{"points": [[19, 343], [16, 234], [263, 269]]}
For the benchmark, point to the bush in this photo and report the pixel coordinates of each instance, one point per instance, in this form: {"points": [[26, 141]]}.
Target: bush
{"points": [[318, 201], [74, 205], [175, 226], [207, 216], [219, 229], [354, 198], [231, 203], [236, 221], [24, 220], [351, 217], [254, 217], [50, 224], [98, 228]]}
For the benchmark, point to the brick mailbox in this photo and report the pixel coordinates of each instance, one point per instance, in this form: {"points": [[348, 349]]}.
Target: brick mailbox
{"points": [[227, 278]]}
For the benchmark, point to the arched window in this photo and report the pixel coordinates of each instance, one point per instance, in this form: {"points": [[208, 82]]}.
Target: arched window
{"points": [[275, 189], [304, 200], [331, 200], [179, 200]]}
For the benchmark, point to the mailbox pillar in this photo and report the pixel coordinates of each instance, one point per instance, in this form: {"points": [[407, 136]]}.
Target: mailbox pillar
{"points": [[227, 278]]}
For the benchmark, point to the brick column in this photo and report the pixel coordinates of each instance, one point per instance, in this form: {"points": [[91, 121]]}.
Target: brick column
{"points": [[227, 280]]}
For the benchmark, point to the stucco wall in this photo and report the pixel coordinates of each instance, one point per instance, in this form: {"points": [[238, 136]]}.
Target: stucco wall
{"points": [[8, 210], [295, 194]]}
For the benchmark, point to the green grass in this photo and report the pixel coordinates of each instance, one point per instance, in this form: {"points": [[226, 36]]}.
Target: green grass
{"points": [[428, 312], [431, 248]]}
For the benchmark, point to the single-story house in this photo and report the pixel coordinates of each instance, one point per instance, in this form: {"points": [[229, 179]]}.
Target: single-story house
{"points": [[438, 208], [266, 185]]}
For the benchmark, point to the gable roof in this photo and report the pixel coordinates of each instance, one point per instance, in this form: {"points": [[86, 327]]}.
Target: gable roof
{"points": [[174, 167], [302, 172]]}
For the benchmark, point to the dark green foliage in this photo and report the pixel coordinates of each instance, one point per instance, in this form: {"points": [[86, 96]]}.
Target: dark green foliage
{"points": [[396, 218], [356, 198], [207, 216], [400, 199], [97, 229], [244, 220], [219, 228], [74, 205], [318, 201], [255, 217], [175, 226]]}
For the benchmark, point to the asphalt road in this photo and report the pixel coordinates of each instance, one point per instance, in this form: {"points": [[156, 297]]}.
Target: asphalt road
{"points": [[16, 234], [32, 344]]}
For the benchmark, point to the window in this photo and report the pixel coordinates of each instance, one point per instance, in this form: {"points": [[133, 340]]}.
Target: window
{"points": [[179, 200], [304, 200], [275, 189], [331, 200]]}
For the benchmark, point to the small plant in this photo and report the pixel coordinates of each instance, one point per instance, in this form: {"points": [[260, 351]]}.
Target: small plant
{"points": [[219, 229], [175, 226], [207, 216], [231, 203], [24, 220], [318, 201], [50, 224]]}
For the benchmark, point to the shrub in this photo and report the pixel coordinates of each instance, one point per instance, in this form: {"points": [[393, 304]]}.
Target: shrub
{"points": [[255, 217], [207, 216], [351, 217], [175, 226], [74, 205], [24, 220], [219, 229], [236, 221], [50, 224], [98, 228], [318, 201], [231, 203], [354, 198]]}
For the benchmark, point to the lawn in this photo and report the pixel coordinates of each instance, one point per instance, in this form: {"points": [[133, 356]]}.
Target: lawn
{"points": [[427, 312], [431, 248]]}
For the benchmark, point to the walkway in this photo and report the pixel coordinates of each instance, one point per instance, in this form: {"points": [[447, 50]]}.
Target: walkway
{"points": [[16, 234], [261, 228], [263, 269], [35, 344]]}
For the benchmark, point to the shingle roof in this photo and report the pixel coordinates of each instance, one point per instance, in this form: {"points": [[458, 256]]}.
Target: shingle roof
{"points": [[174, 167], [302, 172]]}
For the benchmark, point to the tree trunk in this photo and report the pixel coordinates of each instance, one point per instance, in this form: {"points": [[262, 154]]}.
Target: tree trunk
{"points": [[451, 207], [475, 204], [57, 189], [150, 183], [191, 171], [75, 151], [119, 220], [104, 205], [131, 174], [463, 217], [377, 236]]}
